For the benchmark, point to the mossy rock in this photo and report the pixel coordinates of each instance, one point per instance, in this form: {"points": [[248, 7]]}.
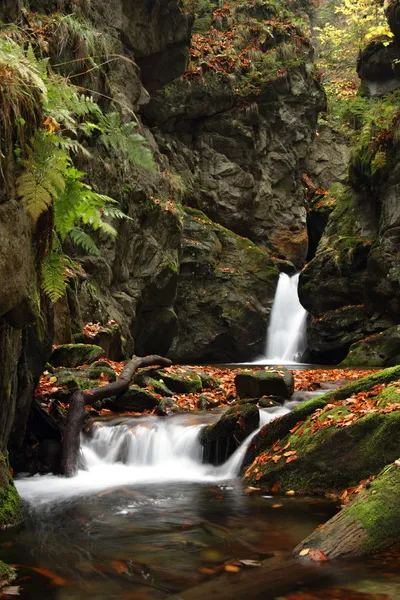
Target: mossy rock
{"points": [[75, 355], [10, 505], [187, 383], [206, 403], [7, 574], [167, 406], [270, 402], [379, 350], [136, 399], [279, 428], [222, 438], [144, 380], [331, 457], [254, 384], [209, 382]]}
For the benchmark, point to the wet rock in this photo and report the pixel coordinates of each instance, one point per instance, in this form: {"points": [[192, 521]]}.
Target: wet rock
{"points": [[167, 406], [186, 383], [209, 382], [136, 399], [206, 403], [254, 384], [225, 292], [270, 401], [75, 355], [222, 438]]}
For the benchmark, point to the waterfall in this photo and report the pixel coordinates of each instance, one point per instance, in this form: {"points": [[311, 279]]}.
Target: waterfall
{"points": [[149, 450], [286, 337]]}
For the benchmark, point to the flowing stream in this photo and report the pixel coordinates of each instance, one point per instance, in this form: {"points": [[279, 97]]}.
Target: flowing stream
{"points": [[151, 449], [286, 336], [145, 518]]}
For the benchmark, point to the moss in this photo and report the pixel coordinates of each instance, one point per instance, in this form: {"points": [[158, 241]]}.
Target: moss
{"points": [[10, 507], [254, 384], [379, 509], [7, 573], [279, 429], [189, 383], [136, 399], [75, 355], [208, 381], [379, 350]]}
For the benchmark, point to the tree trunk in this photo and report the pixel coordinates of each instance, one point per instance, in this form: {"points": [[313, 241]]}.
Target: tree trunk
{"points": [[369, 524], [77, 414]]}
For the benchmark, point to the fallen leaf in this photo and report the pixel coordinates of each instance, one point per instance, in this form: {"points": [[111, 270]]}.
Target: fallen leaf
{"points": [[250, 563], [232, 568]]}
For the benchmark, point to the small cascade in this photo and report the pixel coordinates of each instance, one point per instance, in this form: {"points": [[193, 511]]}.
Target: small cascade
{"points": [[286, 338], [140, 451]]}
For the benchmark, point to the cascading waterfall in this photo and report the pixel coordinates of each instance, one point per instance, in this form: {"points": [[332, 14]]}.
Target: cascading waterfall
{"points": [[140, 451], [286, 337]]}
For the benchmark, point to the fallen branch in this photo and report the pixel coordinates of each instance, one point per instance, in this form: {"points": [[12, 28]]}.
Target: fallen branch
{"points": [[77, 414]]}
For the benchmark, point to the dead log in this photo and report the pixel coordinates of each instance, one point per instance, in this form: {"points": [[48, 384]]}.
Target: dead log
{"points": [[77, 414], [368, 525]]}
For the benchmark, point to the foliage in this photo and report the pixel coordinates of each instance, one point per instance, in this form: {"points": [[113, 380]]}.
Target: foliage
{"points": [[344, 29], [45, 121], [248, 44]]}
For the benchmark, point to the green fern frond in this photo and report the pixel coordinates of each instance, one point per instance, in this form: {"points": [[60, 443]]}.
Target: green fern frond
{"points": [[120, 138], [54, 275], [82, 239], [43, 179]]}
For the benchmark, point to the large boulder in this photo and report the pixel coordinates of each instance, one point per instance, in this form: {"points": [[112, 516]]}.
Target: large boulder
{"points": [[75, 355], [379, 350], [340, 440], [267, 382], [225, 293]]}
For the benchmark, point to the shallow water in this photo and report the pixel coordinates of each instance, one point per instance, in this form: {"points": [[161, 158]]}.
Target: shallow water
{"points": [[148, 519]]}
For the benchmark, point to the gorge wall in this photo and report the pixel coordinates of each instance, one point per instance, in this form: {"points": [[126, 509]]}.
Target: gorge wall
{"points": [[351, 287]]}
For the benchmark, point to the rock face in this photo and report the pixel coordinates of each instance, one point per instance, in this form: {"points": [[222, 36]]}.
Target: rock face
{"points": [[241, 167], [225, 291]]}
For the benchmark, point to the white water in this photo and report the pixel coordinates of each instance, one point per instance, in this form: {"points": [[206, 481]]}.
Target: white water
{"points": [[286, 337], [141, 451]]}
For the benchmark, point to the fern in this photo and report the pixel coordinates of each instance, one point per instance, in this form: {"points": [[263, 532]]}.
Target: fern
{"points": [[54, 275], [119, 137], [82, 239], [43, 179]]}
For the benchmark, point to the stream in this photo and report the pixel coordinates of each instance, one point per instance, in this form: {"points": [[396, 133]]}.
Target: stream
{"points": [[144, 518]]}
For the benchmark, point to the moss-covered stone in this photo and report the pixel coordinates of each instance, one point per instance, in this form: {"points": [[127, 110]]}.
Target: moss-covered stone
{"points": [[379, 350], [270, 402], [187, 383], [254, 384], [368, 525], [136, 399], [334, 447], [75, 355], [167, 406], [10, 508], [209, 382], [279, 428], [222, 438]]}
